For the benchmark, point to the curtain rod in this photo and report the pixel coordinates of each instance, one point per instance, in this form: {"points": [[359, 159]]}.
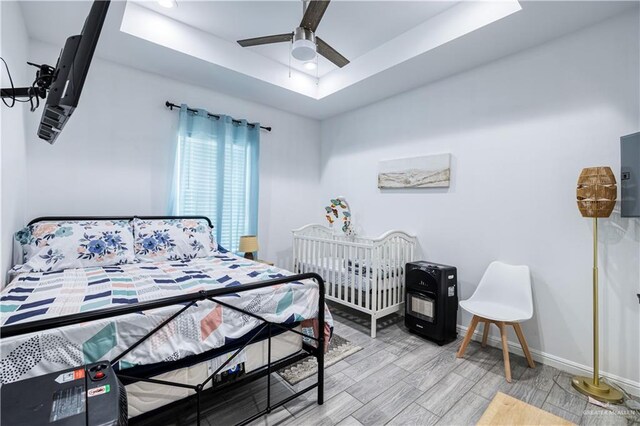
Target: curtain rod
{"points": [[171, 106]]}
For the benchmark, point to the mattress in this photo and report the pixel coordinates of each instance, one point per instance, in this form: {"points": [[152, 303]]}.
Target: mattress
{"points": [[144, 397], [202, 327], [348, 273]]}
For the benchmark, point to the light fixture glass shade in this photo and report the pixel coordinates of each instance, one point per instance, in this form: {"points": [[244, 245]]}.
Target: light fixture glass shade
{"points": [[597, 192], [248, 244], [303, 50]]}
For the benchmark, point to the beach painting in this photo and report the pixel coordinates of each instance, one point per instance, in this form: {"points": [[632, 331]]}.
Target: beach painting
{"points": [[430, 171]]}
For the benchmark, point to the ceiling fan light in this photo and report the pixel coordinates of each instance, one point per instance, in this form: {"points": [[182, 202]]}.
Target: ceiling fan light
{"points": [[304, 44], [169, 4], [303, 50]]}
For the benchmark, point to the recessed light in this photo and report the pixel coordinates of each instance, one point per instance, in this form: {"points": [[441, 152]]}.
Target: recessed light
{"points": [[169, 4], [311, 65]]}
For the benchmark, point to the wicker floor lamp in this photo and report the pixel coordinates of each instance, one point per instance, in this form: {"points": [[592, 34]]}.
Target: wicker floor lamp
{"points": [[596, 195]]}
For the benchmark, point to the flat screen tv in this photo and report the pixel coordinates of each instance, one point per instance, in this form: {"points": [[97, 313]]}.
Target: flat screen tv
{"points": [[70, 74], [630, 175]]}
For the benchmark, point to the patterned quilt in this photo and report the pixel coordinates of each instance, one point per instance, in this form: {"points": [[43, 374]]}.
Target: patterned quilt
{"points": [[36, 296]]}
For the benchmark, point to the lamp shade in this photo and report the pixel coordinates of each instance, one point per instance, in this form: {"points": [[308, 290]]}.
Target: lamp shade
{"points": [[596, 192], [248, 243]]}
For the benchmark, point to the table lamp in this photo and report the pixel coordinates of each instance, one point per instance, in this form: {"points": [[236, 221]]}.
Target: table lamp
{"points": [[596, 195], [249, 245]]}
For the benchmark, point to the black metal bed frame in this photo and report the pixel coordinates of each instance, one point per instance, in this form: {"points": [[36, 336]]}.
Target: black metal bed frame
{"points": [[188, 300], [77, 218]]}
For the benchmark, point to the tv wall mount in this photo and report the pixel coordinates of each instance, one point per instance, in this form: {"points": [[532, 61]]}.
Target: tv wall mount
{"points": [[44, 78]]}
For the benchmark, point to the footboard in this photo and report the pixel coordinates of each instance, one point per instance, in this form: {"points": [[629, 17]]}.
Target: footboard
{"points": [[315, 349]]}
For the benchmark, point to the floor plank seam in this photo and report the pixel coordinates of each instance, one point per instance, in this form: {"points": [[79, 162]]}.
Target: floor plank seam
{"points": [[401, 411], [451, 408]]}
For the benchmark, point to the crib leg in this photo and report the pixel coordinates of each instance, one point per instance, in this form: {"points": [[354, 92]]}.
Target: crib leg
{"points": [[373, 326]]}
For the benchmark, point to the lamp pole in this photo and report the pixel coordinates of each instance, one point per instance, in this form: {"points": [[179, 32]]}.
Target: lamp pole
{"points": [[596, 194], [596, 338]]}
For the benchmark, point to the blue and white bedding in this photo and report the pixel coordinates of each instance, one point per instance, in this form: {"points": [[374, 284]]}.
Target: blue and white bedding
{"points": [[40, 295]]}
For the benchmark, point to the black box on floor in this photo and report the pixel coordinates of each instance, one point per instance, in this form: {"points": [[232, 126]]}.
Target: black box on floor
{"points": [[431, 300], [88, 395]]}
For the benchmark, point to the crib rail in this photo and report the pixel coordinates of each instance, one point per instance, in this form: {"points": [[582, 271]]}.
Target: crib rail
{"points": [[361, 272]]}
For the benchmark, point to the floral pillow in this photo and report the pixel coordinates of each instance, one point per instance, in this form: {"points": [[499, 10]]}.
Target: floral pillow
{"points": [[54, 246], [172, 239]]}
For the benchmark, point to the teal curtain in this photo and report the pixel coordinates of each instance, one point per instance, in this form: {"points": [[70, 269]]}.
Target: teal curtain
{"points": [[216, 174]]}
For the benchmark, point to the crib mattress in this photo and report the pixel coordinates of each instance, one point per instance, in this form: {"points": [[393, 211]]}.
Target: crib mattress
{"points": [[200, 328], [354, 273]]}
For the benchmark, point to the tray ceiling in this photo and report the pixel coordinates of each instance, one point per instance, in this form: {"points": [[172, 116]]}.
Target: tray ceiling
{"points": [[351, 27], [396, 46], [400, 31]]}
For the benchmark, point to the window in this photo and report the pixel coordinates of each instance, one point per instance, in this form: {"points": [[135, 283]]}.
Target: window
{"points": [[216, 174]]}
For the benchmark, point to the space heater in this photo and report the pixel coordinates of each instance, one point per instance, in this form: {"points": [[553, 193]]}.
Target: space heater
{"points": [[431, 301]]}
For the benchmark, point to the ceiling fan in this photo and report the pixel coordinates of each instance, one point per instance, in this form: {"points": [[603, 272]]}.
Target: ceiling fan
{"points": [[305, 43]]}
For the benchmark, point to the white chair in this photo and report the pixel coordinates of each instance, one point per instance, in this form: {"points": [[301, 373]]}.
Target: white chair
{"points": [[503, 298]]}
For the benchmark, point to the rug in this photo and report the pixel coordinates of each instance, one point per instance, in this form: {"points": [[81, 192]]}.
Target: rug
{"points": [[507, 410], [339, 349]]}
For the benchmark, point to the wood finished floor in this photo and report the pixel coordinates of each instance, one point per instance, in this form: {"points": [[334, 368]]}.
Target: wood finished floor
{"points": [[401, 379]]}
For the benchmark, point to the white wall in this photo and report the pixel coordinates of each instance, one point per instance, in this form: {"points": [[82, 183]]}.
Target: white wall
{"points": [[115, 155], [520, 130], [13, 48]]}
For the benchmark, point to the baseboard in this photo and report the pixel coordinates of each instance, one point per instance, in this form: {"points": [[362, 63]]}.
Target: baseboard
{"points": [[628, 385]]}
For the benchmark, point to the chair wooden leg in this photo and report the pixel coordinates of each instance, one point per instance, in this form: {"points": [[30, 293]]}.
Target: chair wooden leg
{"points": [[468, 336], [523, 343], [505, 350], [485, 333]]}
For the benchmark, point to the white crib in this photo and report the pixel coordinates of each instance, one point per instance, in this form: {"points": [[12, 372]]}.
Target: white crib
{"points": [[364, 273]]}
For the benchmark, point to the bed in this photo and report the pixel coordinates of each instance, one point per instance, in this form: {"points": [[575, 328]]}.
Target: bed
{"points": [[217, 320], [363, 273]]}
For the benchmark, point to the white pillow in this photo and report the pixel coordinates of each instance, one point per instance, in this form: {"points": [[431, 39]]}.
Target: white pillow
{"points": [[55, 246], [172, 239]]}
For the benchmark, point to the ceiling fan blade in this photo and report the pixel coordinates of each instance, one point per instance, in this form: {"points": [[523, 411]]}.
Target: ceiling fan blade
{"points": [[277, 38], [313, 14], [330, 53]]}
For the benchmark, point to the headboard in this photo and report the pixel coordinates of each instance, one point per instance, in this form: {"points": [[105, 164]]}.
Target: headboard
{"points": [[63, 218]]}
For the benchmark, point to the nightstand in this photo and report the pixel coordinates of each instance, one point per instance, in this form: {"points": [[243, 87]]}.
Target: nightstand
{"points": [[266, 262]]}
